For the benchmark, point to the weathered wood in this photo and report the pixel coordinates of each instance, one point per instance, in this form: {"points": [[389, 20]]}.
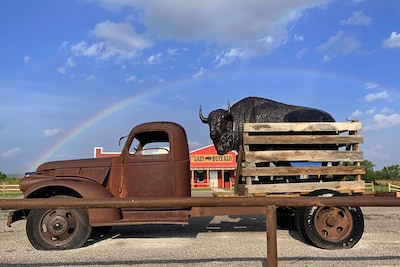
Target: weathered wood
{"points": [[340, 186], [303, 170], [304, 155], [339, 140], [302, 127], [302, 142]]}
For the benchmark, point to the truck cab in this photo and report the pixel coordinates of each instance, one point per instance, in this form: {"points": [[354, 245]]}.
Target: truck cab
{"points": [[154, 162]]}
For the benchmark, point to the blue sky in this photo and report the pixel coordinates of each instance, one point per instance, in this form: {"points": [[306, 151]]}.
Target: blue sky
{"points": [[76, 74]]}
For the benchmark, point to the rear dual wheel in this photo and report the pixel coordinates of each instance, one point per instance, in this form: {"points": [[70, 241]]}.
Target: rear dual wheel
{"points": [[330, 227]]}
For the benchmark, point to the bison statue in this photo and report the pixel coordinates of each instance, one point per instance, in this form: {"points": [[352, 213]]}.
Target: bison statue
{"points": [[226, 126]]}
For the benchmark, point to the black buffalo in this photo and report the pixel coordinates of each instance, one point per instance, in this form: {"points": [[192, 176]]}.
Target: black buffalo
{"points": [[226, 126]]}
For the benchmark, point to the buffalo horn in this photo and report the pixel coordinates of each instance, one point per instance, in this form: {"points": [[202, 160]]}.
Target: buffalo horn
{"points": [[202, 118]]}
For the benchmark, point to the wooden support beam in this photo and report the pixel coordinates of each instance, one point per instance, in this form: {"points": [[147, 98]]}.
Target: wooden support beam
{"points": [[303, 170], [304, 156], [303, 127], [339, 186], [272, 243]]}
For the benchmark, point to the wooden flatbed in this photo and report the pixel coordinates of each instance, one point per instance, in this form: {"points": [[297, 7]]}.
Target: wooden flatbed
{"points": [[300, 158]]}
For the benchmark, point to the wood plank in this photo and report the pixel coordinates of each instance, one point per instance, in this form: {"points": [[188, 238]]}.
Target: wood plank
{"points": [[303, 139], [304, 155], [302, 127], [340, 186], [303, 170]]}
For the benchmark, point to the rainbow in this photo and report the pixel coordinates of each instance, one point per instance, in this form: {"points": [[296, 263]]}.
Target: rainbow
{"points": [[49, 153]]}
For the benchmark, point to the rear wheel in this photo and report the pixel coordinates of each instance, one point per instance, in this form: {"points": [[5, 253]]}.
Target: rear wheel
{"points": [[330, 227], [58, 229]]}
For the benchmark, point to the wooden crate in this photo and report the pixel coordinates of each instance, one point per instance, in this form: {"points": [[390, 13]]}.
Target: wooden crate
{"points": [[300, 157]]}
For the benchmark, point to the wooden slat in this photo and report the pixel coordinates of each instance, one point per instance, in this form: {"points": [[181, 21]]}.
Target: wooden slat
{"points": [[304, 155], [302, 139], [303, 170], [302, 127], [340, 186]]}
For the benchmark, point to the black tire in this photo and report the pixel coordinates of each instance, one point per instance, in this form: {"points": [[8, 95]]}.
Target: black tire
{"points": [[100, 230], [58, 229], [285, 218], [330, 227]]}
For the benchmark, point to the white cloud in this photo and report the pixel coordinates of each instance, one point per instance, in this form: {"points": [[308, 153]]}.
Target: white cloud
{"points": [[11, 153], [121, 39], [194, 144], [356, 114], [61, 70], [133, 78], [298, 38], [385, 110], [89, 77], [70, 62], [371, 85], [199, 73], [328, 58], [130, 79], [52, 132], [370, 111], [359, 113], [357, 18], [228, 57], [154, 58], [177, 98], [256, 27], [383, 121], [158, 79], [117, 40], [27, 59], [83, 49], [393, 41], [374, 96], [338, 44], [175, 51], [377, 152], [303, 52]]}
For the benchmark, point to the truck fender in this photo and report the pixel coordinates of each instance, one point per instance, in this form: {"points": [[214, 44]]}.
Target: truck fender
{"points": [[80, 189]]}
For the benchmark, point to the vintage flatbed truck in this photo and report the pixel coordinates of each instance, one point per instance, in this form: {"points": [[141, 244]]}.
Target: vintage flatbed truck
{"points": [[154, 162]]}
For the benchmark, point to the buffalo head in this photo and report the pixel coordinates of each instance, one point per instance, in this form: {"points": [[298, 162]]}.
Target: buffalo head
{"points": [[220, 122]]}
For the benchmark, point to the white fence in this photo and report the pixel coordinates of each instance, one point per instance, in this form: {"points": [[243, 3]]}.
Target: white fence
{"points": [[393, 188], [9, 188]]}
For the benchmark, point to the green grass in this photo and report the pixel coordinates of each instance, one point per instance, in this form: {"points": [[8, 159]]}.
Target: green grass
{"points": [[381, 188], [11, 194]]}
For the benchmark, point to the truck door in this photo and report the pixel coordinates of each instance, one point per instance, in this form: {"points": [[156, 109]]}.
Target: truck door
{"points": [[148, 168]]}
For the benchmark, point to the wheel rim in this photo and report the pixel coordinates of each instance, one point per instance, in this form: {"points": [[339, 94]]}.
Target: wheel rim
{"points": [[333, 223], [59, 226]]}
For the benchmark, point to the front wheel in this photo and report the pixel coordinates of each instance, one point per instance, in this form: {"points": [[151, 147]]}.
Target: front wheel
{"points": [[58, 229]]}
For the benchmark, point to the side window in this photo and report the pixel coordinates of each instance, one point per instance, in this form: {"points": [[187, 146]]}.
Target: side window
{"points": [[150, 143]]}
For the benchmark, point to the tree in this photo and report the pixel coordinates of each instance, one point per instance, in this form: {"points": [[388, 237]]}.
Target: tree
{"points": [[3, 177], [370, 174], [391, 172]]}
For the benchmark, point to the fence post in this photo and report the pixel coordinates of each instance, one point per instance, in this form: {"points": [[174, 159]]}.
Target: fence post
{"points": [[272, 249], [4, 189], [389, 186]]}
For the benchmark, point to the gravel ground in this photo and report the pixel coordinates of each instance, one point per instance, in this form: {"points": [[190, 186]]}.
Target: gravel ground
{"points": [[208, 241]]}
